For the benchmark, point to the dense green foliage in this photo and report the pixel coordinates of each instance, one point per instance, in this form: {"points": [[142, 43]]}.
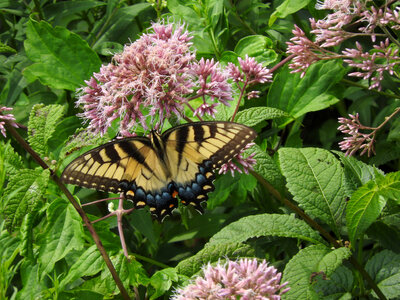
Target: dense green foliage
{"points": [[329, 222]]}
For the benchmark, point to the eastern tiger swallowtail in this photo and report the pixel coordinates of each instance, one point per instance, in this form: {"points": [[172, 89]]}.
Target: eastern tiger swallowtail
{"points": [[156, 171]]}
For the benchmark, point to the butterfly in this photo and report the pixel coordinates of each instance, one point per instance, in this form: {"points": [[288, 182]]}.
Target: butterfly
{"points": [[158, 170]]}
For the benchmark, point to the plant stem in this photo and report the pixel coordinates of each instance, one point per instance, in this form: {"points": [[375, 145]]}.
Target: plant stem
{"points": [[79, 209]]}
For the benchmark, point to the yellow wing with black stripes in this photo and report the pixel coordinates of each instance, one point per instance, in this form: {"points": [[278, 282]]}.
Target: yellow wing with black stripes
{"points": [[157, 171]]}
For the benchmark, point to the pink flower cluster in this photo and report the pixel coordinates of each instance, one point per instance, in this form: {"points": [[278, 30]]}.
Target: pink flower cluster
{"points": [[7, 117], [154, 77], [245, 162], [244, 279], [331, 31], [249, 73], [357, 140]]}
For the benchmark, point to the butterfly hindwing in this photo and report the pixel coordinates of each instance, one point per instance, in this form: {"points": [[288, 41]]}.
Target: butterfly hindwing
{"points": [[194, 150], [158, 171]]}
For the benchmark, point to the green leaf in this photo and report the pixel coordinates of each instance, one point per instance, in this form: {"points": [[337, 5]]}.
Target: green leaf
{"points": [[363, 209], [255, 115], [41, 126], [300, 269], [337, 286], [384, 269], [129, 272], [212, 253], [64, 11], [64, 233], [265, 225], [315, 178], [267, 168], [297, 96], [89, 263], [27, 236], [143, 223], [119, 21], [357, 172], [13, 163], [257, 46], [32, 285], [22, 195], [286, 8], [6, 49], [389, 186], [62, 60], [333, 260], [8, 244], [162, 281]]}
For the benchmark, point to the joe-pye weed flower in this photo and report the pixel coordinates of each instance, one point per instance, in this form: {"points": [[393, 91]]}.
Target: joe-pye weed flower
{"points": [[244, 279]]}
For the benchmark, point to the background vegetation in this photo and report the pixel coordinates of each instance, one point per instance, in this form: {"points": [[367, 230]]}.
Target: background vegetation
{"points": [[329, 222]]}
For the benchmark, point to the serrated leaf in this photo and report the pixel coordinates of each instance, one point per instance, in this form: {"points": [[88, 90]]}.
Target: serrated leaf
{"points": [[315, 178], [27, 236], [22, 195], [64, 233], [363, 209], [297, 96], [89, 263], [162, 281], [13, 163], [255, 115], [266, 225], [41, 126], [129, 272], [300, 269], [384, 269], [212, 253], [333, 260], [337, 286], [267, 168], [389, 186], [62, 59], [83, 141], [357, 172]]}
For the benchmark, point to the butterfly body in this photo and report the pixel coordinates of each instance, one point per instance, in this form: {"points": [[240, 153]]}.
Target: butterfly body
{"points": [[156, 171]]}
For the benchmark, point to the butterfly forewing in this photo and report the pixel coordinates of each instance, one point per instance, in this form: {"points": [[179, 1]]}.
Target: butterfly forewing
{"points": [[106, 166]]}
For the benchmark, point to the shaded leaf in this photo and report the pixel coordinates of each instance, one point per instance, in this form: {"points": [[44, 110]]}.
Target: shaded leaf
{"points": [[297, 96], [384, 269], [286, 8], [162, 281]]}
